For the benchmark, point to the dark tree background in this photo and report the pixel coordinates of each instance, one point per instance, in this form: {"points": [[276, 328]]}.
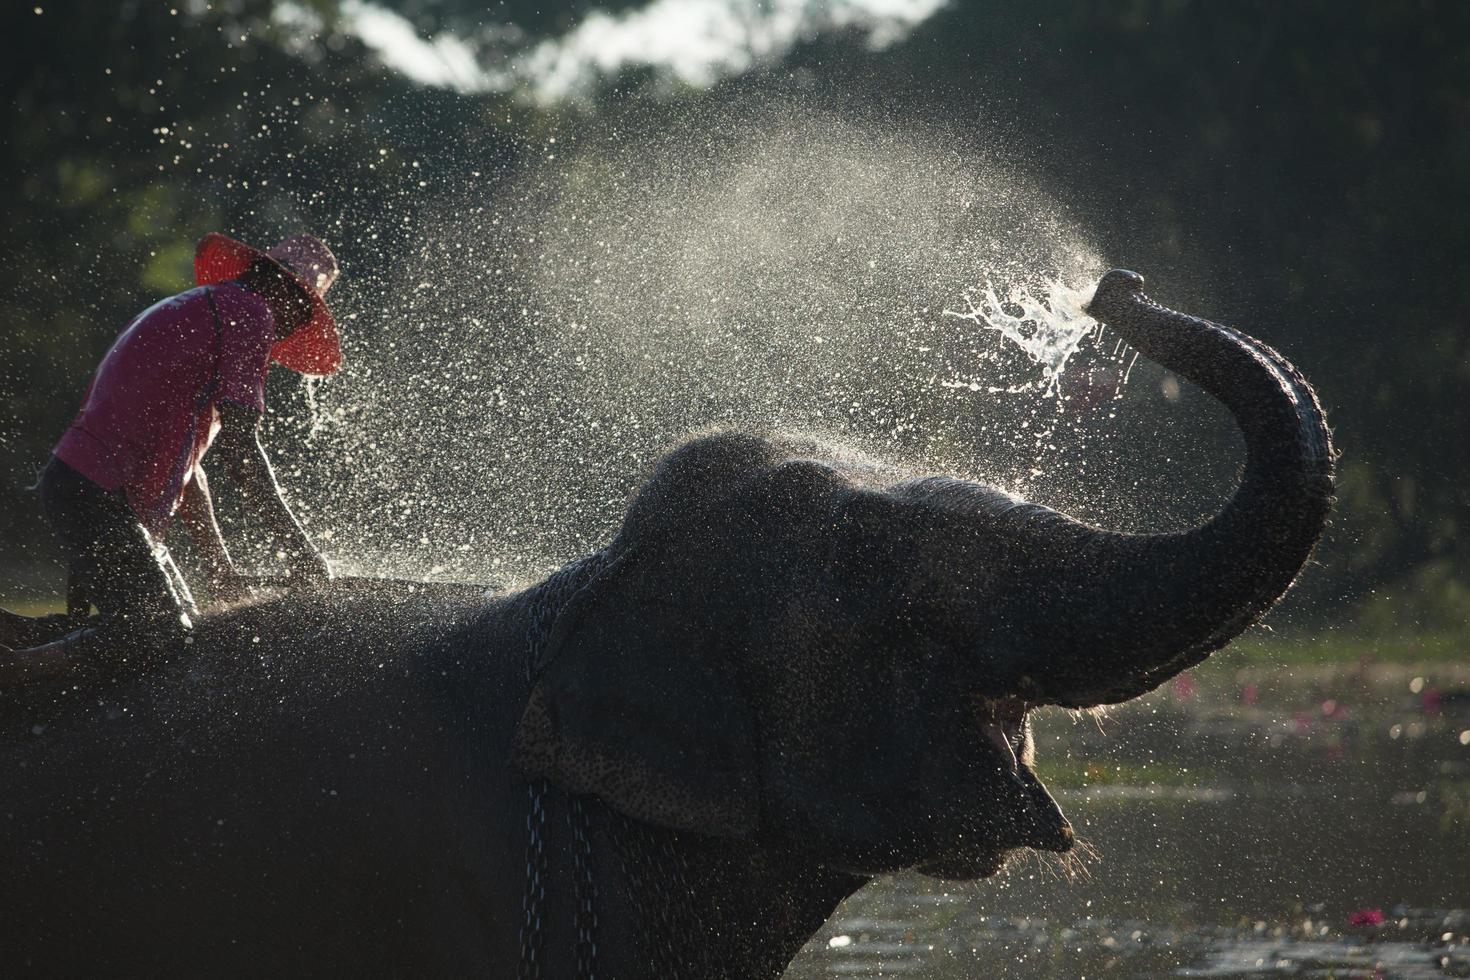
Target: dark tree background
{"points": [[1315, 156]]}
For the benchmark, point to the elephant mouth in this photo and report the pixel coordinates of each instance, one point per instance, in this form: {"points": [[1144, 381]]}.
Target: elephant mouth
{"points": [[1028, 816], [1003, 722]]}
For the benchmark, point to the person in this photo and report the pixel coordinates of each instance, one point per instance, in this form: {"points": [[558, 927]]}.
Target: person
{"points": [[185, 375]]}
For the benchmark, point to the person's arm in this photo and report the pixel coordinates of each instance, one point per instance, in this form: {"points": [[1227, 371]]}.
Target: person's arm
{"points": [[196, 511], [238, 448]]}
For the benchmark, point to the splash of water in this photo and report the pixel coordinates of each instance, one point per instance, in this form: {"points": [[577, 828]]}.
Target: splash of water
{"points": [[1048, 326], [315, 413], [770, 269]]}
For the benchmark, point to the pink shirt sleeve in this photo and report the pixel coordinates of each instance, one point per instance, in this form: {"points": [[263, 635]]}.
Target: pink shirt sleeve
{"points": [[247, 333]]}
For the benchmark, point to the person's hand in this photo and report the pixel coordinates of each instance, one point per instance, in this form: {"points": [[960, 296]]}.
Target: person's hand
{"points": [[307, 568]]}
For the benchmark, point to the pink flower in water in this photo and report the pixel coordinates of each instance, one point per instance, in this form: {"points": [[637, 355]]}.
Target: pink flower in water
{"points": [[1429, 702], [1183, 688], [1249, 693], [1366, 918]]}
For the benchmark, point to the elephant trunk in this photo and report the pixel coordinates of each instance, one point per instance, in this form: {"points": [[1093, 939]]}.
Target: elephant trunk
{"points": [[1130, 611]]}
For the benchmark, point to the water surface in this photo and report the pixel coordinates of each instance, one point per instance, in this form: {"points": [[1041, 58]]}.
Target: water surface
{"points": [[1312, 823]]}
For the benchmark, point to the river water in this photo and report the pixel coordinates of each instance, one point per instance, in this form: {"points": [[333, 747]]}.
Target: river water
{"points": [[1248, 824]]}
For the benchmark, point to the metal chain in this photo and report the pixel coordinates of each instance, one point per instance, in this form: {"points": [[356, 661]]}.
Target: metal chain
{"points": [[549, 599], [586, 890], [533, 900]]}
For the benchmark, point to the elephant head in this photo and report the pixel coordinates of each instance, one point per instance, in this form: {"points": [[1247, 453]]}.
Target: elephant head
{"points": [[805, 653]]}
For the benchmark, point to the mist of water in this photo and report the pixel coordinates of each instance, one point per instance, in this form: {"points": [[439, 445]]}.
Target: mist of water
{"points": [[772, 269]]}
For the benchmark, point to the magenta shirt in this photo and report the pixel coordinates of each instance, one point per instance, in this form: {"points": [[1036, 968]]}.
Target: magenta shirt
{"points": [[151, 411]]}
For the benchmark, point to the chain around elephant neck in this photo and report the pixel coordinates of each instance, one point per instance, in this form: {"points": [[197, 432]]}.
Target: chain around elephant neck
{"points": [[549, 599], [653, 869]]}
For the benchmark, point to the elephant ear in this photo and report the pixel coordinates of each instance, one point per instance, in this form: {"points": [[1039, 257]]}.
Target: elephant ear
{"points": [[633, 708]]}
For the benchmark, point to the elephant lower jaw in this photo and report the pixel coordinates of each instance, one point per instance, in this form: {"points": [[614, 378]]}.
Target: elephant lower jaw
{"points": [[965, 869], [965, 855], [1058, 840], [973, 866], [1033, 821]]}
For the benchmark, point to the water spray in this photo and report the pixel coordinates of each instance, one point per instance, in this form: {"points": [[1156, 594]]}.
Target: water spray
{"points": [[768, 268], [1048, 328]]}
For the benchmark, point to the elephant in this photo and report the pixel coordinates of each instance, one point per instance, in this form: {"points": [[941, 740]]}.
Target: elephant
{"points": [[786, 674]]}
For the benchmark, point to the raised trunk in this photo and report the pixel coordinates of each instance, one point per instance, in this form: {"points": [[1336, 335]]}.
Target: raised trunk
{"points": [[1131, 611]]}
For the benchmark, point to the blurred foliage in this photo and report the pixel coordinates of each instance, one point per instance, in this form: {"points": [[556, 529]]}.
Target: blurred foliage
{"points": [[1065, 771], [1400, 637], [1303, 166], [1453, 797]]}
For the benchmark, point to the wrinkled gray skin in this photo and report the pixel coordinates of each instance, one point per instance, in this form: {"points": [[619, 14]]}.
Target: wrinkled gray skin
{"points": [[783, 675]]}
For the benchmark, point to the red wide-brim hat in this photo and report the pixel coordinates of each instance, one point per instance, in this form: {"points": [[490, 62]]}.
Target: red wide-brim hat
{"points": [[313, 348]]}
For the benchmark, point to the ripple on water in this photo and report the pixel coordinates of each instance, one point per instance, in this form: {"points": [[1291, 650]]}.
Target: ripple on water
{"points": [[1341, 960], [1411, 947]]}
